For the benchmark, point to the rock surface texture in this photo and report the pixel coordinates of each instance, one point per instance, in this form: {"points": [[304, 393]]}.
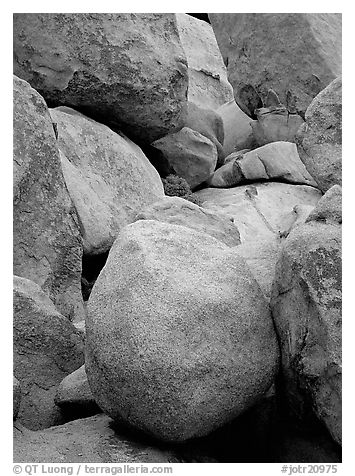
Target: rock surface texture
{"points": [[177, 211], [47, 242], [306, 306], [260, 210], [88, 440], [126, 69], [297, 61], [319, 140], [47, 347], [179, 336], [277, 160], [108, 177], [17, 394]]}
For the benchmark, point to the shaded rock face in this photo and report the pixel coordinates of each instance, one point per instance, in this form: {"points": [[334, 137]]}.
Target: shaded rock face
{"points": [[192, 155], [47, 347], [329, 207], [122, 68], [108, 177], [208, 84], [16, 395], [74, 396], [179, 336], [260, 210], [297, 62], [238, 133], [306, 306], [177, 211], [89, 440], [47, 242], [319, 140], [278, 160]]}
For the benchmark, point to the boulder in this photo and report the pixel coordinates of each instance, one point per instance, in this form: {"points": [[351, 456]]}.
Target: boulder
{"points": [[16, 397], [177, 211], [90, 440], [192, 155], [278, 160], [124, 69], [329, 207], [208, 123], [46, 347], [259, 210], [108, 177], [238, 133], [275, 124], [208, 84], [179, 335], [297, 62], [47, 242], [319, 140], [306, 306], [74, 396]]}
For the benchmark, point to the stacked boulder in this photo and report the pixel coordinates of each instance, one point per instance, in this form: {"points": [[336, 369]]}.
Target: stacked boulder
{"points": [[211, 280]]}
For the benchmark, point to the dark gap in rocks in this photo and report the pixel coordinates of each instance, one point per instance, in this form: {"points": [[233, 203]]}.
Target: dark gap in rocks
{"points": [[76, 411], [91, 268], [200, 16], [157, 159]]}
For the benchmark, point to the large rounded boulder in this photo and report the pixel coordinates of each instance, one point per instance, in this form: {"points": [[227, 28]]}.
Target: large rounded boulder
{"points": [[124, 69], [306, 306], [179, 336]]}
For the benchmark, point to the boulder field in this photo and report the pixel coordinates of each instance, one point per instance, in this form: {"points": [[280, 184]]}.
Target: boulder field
{"points": [[177, 238]]}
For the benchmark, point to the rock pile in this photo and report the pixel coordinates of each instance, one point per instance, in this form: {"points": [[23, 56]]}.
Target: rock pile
{"points": [[177, 238]]}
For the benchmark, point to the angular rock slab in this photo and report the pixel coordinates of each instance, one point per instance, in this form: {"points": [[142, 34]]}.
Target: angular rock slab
{"points": [[108, 177], [192, 155], [297, 62], [319, 140], [208, 84], [260, 210], [127, 69], [306, 305], [275, 124], [177, 211], [238, 133], [47, 347], [179, 335], [47, 241], [278, 160], [89, 440]]}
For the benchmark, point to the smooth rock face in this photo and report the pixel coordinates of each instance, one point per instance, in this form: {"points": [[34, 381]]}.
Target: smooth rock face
{"points": [[108, 177], [74, 394], [177, 211], [47, 242], [319, 140], [238, 133], [125, 69], [208, 84], [260, 210], [300, 58], [179, 336], [192, 155], [89, 440], [16, 395], [306, 306], [278, 160], [275, 124], [47, 347], [261, 257]]}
